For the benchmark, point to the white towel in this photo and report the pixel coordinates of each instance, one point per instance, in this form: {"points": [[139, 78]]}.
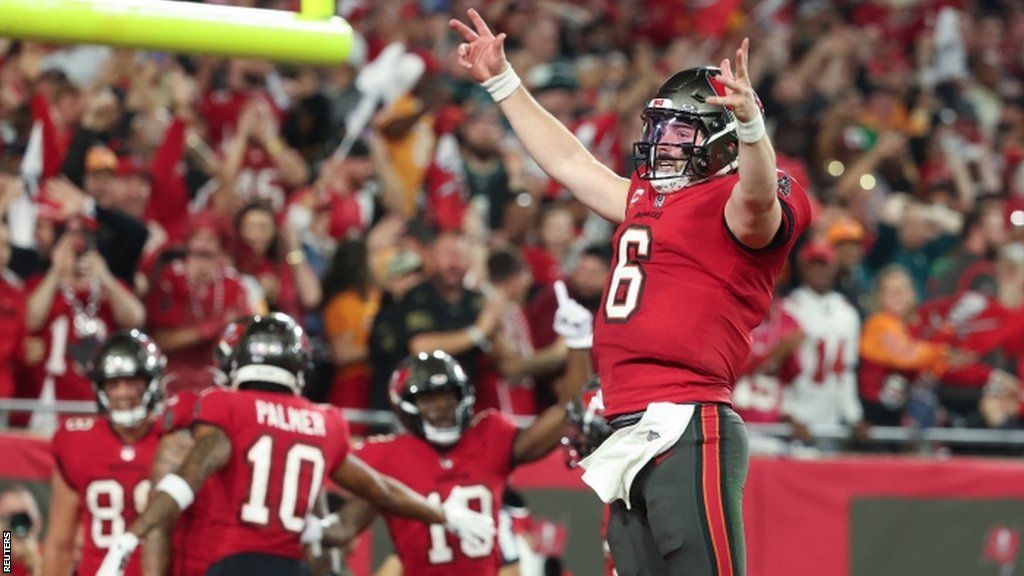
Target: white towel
{"points": [[610, 470]]}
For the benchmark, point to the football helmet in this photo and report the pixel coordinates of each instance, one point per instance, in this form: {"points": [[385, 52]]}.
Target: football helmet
{"points": [[128, 354], [585, 424], [274, 350], [222, 351], [431, 372], [684, 139]]}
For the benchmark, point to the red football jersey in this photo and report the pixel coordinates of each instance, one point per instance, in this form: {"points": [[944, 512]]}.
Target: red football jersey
{"points": [[111, 478], [208, 516], [12, 329], [479, 464], [282, 448], [684, 295]]}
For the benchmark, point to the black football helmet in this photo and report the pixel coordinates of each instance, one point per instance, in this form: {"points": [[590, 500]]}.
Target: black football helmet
{"points": [[128, 354], [585, 425], [669, 151], [431, 372], [222, 351], [272, 350]]}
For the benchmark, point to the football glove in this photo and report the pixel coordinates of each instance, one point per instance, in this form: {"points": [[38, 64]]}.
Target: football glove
{"points": [[573, 322], [118, 554], [465, 523]]}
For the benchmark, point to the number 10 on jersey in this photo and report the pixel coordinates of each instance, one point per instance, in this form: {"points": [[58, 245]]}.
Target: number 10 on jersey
{"points": [[627, 283]]}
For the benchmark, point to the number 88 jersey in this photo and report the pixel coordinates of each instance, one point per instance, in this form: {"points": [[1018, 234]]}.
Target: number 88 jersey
{"points": [[684, 295], [478, 465], [111, 479]]}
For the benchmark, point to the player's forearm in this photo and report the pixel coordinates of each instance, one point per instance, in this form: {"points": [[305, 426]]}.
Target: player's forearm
{"points": [[563, 157], [160, 510], [127, 309], [354, 517], [397, 498], [156, 558], [540, 438], [37, 308], [758, 180], [57, 560], [455, 342]]}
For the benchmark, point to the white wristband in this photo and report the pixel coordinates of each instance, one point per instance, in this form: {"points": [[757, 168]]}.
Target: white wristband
{"points": [[177, 488], [750, 132], [503, 85]]}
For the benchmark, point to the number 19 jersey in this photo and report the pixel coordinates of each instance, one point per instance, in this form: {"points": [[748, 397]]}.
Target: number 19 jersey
{"points": [[282, 447], [684, 294]]}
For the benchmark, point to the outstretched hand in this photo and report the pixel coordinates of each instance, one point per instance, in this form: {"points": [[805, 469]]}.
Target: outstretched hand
{"points": [[739, 94], [482, 53]]}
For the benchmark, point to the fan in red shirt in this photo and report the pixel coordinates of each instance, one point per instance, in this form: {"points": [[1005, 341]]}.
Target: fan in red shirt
{"points": [[101, 481], [193, 299], [70, 310], [270, 451], [704, 226], [12, 318]]}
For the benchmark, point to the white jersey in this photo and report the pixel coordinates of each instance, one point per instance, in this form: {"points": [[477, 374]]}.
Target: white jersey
{"points": [[825, 390]]}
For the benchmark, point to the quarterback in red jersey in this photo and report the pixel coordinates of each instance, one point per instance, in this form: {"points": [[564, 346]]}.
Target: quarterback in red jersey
{"points": [[704, 226], [101, 482], [269, 451]]}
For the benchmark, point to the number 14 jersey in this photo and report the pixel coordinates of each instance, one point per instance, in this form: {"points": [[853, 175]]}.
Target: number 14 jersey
{"points": [[684, 294]]}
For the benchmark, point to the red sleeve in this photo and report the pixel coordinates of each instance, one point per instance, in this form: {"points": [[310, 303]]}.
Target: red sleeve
{"points": [[163, 308], [341, 435], [168, 204], [53, 154], [504, 432], [373, 450], [215, 408], [796, 208], [180, 411]]}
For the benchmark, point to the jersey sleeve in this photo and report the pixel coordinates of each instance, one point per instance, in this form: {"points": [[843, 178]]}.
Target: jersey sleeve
{"points": [[343, 441], [180, 411], [215, 408], [59, 446], [373, 451], [504, 433], [796, 210]]}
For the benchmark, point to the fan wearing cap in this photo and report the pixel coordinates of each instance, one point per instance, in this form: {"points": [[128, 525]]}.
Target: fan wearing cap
{"points": [[824, 391], [853, 280], [101, 478], [705, 224]]}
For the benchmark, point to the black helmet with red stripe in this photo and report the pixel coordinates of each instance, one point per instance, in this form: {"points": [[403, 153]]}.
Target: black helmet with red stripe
{"points": [[685, 140], [585, 425], [425, 373]]}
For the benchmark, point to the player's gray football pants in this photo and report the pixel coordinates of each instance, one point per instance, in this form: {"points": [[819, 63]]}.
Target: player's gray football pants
{"points": [[687, 505]]}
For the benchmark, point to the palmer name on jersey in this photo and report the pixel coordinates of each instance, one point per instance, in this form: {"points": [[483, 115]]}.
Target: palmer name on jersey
{"points": [[290, 418]]}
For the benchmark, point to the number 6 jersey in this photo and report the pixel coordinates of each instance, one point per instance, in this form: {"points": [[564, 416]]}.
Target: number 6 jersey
{"points": [[479, 464], [684, 294]]}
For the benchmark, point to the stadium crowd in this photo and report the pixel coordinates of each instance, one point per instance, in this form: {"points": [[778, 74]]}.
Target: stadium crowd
{"points": [[385, 202]]}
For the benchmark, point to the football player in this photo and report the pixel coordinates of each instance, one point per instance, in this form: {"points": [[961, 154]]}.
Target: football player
{"points": [[269, 451], [451, 454], [101, 479], [203, 521], [704, 226]]}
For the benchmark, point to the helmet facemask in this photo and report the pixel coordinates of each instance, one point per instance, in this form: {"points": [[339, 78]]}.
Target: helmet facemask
{"points": [[675, 148], [429, 374]]}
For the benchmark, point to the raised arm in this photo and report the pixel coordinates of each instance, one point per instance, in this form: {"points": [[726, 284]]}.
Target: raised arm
{"points": [[753, 212], [552, 146]]}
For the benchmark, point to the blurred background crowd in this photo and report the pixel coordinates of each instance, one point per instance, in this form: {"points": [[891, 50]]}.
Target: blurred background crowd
{"points": [[386, 203]]}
